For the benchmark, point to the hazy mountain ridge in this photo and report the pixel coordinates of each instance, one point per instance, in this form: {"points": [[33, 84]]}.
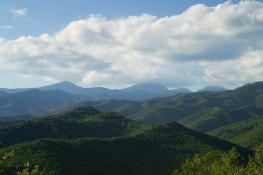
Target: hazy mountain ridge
{"points": [[35, 102], [49, 99], [135, 92], [212, 89], [235, 105]]}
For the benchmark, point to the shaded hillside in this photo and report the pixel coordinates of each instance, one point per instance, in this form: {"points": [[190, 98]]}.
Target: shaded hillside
{"points": [[175, 108], [90, 142], [216, 117], [154, 111], [81, 122], [156, 153], [247, 132], [36, 102]]}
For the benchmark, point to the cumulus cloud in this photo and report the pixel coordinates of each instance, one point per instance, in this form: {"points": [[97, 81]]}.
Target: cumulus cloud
{"points": [[203, 45], [19, 12]]}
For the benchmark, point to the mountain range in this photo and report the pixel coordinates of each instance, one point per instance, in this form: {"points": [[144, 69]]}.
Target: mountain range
{"points": [[35, 102], [47, 100], [201, 111], [66, 133], [136, 92]]}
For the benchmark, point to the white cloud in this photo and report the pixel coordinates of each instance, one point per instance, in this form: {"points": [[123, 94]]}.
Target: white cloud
{"points": [[203, 45], [248, 68], [19, 11]]}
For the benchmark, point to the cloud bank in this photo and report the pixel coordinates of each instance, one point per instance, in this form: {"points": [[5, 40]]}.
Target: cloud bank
{"points": [[201, 46]]}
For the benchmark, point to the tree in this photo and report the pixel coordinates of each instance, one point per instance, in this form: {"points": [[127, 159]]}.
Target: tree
{"points": [[26, 169], [213, 163], [255, 165]]}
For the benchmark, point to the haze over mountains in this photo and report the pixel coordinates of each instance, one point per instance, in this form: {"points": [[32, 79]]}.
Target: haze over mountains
{"points": [[135, 92], [50, 99], [54, 98]]}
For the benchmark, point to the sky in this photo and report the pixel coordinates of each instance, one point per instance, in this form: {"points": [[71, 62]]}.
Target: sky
{"points": [[117, 43]]}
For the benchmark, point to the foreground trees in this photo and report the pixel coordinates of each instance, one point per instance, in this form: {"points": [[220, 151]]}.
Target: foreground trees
{"points": [[212, 163], [222, 164], [25, 170]]}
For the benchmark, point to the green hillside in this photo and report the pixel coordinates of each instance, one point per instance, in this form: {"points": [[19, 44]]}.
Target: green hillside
{"points": [[216, 117], [199, 111], [176, 108], [246, 133], [81, 122], [86, 141]]}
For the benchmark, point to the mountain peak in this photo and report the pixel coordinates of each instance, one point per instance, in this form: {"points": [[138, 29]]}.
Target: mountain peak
{"points": [[64, 86], [64, 83], [212, 89], [256, 84], [149, 87]]}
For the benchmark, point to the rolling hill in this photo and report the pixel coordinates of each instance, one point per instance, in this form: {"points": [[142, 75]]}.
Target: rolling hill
{"points": [[104, 143], [202, 111], [179, 107], [81, 122], [247, 133], [216, 117]]}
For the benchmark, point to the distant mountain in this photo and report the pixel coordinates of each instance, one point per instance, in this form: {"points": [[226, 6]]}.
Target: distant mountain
{"points": [[212, 89], [5, 90], [179, 91], [65, 86], [21, 103], [197, 107], [179, 107], [77, 90], [151, 88], [137, 92], [87, 141], [35, 102]]}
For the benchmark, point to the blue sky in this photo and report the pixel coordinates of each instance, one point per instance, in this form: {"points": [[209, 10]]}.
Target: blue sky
{"points": [[49, 16], [176, 43]]}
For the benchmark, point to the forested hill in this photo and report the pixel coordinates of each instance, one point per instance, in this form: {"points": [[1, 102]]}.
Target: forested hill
{"points": [[202, 111], [87, 141]]}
